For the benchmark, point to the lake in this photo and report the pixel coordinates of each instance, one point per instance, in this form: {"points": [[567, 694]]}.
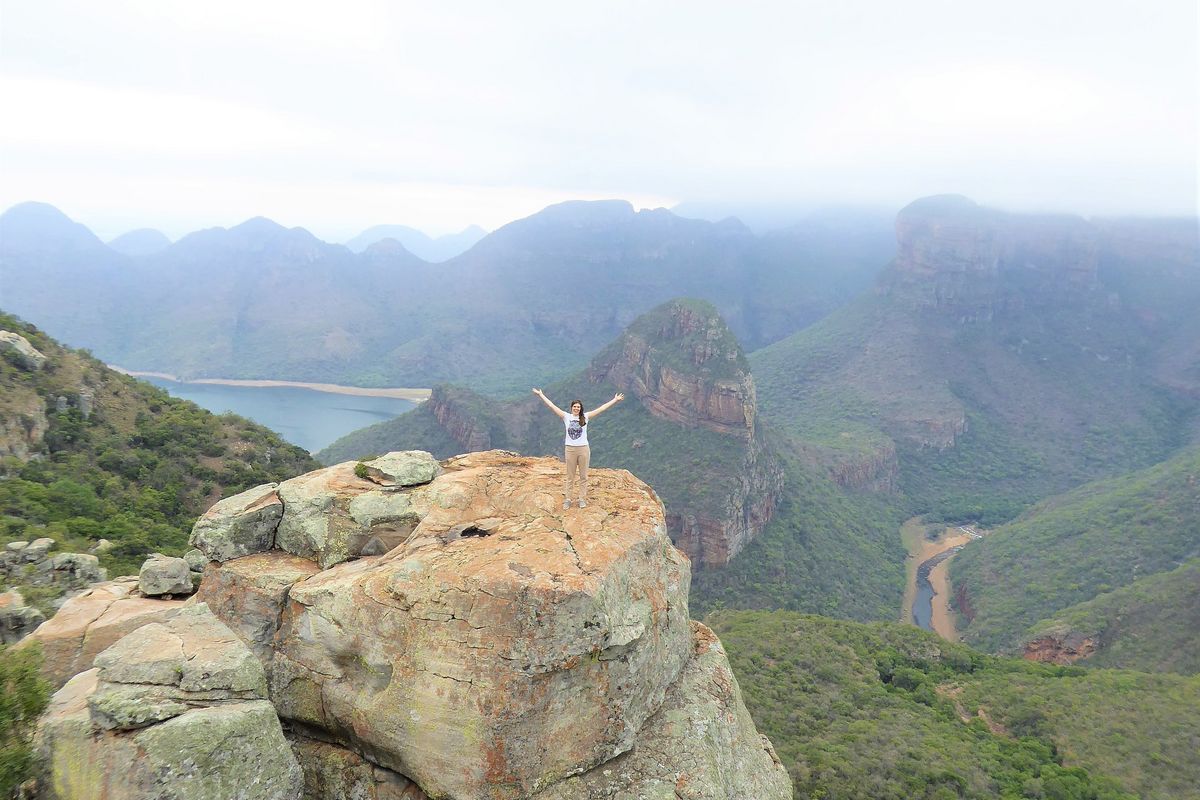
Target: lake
{"points": [[306, 417]]}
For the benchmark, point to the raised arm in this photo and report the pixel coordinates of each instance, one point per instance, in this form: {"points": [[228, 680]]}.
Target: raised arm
{"points": [[597, 411], [550, 405]]}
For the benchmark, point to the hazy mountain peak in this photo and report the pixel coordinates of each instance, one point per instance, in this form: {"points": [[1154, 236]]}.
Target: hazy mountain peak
{"points": [[140, 242], [942, 205], [259, 226], [586, 211], [388, 247], [419, 243], [41, 226]]}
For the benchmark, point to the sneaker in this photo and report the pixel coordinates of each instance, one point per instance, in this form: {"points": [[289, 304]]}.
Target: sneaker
{"points": [[566, 503], [583, 503]]}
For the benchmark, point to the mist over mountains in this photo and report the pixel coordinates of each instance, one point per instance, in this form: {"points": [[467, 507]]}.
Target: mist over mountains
{"points": [[531, 300]]}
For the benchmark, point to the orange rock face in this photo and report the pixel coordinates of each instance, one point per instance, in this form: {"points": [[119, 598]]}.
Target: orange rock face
{"points": [[503, 624], [90, 622], [249, 594]]}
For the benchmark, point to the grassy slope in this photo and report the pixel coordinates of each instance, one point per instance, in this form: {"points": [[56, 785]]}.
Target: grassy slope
{"points": [[1148, 625], [877, 711], [138, 472], [1076, 546]]}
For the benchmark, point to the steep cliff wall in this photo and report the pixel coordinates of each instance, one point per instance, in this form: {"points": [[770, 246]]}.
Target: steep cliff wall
{"points": [[972, 262], [685, 366]]}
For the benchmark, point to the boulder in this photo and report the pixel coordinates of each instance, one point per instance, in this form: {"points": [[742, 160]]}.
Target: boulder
{"points": [[191, 659], [501, 625], [17, 620], [90, 622], [503, 649], [401, 468], [248, 594], [701, 744], [37, 550], [21, 351], [332, 515], [165, 575], [227, 750], [101, 546], [196, 560], [173, 710], [239, 525], [69, 571]]}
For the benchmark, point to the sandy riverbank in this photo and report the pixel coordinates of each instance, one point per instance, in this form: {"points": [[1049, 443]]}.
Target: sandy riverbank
{"points": [[414, 395], [942, 617], [921, 549]]}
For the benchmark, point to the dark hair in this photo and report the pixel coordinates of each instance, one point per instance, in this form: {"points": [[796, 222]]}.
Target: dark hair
{"points": [[582, 419]]}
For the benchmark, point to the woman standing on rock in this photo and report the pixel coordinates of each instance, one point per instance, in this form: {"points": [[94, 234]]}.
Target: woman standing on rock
{"points": [[577, 453]]}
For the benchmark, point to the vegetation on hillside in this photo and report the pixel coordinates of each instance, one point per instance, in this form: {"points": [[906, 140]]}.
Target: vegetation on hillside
{"points": [[1075, 546], [886, 711], [826, 551], [136, 471], [1149, 625], [24, 694], [1048, 402]]}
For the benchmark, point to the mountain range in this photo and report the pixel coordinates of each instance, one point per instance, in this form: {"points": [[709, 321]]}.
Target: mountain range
{"points": [[529, 302]]}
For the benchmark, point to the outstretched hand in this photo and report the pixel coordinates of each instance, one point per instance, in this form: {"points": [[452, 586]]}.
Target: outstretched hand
{"points": [[618, 397], [538, 392]]}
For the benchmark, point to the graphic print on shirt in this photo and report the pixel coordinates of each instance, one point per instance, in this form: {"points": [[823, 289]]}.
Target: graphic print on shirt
{"points": [[574, 429]]}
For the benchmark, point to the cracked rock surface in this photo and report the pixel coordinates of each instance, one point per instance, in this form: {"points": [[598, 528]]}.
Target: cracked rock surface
{"points": [[700, 745]]}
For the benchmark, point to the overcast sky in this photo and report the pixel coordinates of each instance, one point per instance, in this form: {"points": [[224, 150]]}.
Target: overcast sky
{"points": [[337, 116]]}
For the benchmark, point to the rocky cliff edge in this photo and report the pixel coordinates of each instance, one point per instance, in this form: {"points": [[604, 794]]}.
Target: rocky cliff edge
{"points": [[423, 629]]}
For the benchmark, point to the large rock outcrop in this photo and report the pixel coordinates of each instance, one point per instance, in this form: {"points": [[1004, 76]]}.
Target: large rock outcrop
{"points": [[17, 347], [23, 422], [684, 365], [504, 649], [500, 625]]}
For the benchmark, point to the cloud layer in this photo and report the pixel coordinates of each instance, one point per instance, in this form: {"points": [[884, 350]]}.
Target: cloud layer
{"points": [[134, 112]]}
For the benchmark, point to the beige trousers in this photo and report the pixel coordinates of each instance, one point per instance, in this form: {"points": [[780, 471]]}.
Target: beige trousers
{"points": [[576, 458]]}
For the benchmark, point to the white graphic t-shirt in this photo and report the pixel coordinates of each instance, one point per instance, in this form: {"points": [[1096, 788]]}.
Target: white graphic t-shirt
{"points": [[576, 433]]}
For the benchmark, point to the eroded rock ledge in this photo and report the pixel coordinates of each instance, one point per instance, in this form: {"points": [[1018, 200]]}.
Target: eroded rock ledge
{"points": [[449, 631]]}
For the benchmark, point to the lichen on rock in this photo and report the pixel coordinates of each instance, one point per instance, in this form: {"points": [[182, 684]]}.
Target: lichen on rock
{"points": [[173, 711]]}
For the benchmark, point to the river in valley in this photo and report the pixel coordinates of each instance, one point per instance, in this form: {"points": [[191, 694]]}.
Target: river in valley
{"points": [[307, 417], [926, 597], [922, 610]]}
